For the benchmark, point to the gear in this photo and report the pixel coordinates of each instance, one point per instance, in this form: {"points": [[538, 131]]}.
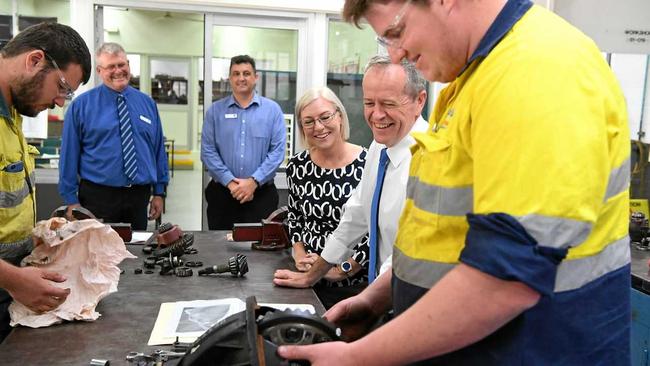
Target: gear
{"points": [[177, 248], [238, 265], [183, 272], [296, 327]]}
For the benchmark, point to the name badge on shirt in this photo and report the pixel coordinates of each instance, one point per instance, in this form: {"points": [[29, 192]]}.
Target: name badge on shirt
{"points": [[145, 119], [231, 115]]}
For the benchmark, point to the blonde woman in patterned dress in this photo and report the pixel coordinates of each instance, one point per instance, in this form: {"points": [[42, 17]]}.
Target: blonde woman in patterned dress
{"points": [[320, 180]]}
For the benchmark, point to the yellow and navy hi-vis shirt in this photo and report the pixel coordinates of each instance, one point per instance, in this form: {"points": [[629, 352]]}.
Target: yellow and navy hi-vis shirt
{"points": [[17, 181], [524, 175]]}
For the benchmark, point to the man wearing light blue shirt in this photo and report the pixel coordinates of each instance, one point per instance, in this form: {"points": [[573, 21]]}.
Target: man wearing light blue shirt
{"points": [[242, 145], [94, 168]]}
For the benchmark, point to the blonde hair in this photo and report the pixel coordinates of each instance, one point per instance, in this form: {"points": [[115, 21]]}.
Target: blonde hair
{"points": [[327, 94]]}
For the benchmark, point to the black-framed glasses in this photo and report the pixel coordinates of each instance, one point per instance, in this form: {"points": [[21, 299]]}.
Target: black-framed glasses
{"points": [[65, 90], [324, 120], [391, 41]]}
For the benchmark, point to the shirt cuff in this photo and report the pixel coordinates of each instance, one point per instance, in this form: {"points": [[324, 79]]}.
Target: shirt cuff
{"points": [[71, 199], [335, 252], [497, 244], [225, 179], [258, 179], [159, 189]]}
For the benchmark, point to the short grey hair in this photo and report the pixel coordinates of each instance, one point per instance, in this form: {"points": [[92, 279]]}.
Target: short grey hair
{"points": [[110, 48], [326, 93], [415, 83]]}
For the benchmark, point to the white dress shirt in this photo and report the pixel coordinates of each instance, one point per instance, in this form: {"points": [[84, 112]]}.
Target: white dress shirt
{"points": [[355, 222]]}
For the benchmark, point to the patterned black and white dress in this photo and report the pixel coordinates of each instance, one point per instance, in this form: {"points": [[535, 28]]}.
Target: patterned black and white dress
{"points": [[316, 199]]}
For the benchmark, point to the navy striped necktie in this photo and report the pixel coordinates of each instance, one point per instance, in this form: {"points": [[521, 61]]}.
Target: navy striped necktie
{"points": [[129, 157], [374, 215]]}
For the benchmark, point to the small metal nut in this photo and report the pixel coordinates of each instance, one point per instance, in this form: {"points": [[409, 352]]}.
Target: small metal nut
{"points": [[137, 271]]}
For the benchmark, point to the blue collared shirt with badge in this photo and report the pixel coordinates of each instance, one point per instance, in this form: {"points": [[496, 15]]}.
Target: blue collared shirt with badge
{"points": [[92, 148], [241, 142]]}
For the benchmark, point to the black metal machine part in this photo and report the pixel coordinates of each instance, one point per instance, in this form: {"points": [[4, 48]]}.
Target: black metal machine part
{"points": [[237, 266], [253, 336]]}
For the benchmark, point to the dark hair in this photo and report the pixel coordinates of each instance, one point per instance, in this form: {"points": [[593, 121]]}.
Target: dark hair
{"points": [[58, 41], [242, 59]]}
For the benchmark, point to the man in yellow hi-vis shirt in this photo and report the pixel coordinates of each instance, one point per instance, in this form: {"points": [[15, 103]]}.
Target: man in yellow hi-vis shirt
{"points": [[41, 67], [512, 247]]}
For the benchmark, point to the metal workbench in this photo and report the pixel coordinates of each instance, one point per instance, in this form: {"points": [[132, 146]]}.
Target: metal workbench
{"points": [[128, 315]]}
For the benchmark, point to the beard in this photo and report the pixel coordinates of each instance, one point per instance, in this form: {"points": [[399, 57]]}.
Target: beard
{"points": [[26, 92]]}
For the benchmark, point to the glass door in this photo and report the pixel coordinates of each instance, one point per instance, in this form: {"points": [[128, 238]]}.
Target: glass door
{"points": [[273, 42]]}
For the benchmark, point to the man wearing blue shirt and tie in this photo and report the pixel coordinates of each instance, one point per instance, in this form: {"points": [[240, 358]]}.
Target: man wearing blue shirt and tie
{"points": [[113, 141], [242, 145]]}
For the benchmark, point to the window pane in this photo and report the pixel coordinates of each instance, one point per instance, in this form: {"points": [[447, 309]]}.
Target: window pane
{"points": [[631, 71], [349, 49], [134, 65], [57, 9], [169, 81]]}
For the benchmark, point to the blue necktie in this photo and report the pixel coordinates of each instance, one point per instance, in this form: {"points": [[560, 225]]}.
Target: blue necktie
{"points": [[129, 158], [374, 215]]}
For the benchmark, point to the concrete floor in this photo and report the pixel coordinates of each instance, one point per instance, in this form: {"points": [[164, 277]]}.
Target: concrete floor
{"points": [[183, 205]]}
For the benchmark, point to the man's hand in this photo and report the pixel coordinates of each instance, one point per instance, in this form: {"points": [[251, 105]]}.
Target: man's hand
{"points": [[155, 207], [232, 185], [31, 287], [335, 274], [244, 190], [354, 315], [68, 212], [322, 354]]}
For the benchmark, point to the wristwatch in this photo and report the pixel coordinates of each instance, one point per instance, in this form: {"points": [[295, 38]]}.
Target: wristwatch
{"points": [[346, 267]]}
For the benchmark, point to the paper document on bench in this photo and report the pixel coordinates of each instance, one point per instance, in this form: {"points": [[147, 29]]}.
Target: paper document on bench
{"points": [[187, 320]]}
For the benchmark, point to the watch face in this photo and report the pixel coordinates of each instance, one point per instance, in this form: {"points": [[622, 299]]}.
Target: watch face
{"points": [[346, 266]]}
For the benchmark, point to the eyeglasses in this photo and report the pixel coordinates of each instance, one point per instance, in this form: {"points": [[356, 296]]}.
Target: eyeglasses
{"points": [[114, 67], [391, 41], [324, 120], [65, 90]]}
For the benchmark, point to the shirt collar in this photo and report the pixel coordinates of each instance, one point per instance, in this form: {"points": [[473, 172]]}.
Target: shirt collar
{"points": [[115, 93], [508, 16], [4, 109], [232, 101]]}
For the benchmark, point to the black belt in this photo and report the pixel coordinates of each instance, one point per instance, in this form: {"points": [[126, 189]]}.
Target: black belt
{"points": [[86, 181]]}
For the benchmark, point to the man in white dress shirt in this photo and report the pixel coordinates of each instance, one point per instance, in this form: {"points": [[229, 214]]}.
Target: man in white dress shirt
{"points": [[393, 98]]}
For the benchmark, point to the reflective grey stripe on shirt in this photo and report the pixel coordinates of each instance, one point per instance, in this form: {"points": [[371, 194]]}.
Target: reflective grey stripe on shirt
{"points": [[439, 200], [15, 198], [619, 180], [573, 274], [418, 272], [555, 232]]}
